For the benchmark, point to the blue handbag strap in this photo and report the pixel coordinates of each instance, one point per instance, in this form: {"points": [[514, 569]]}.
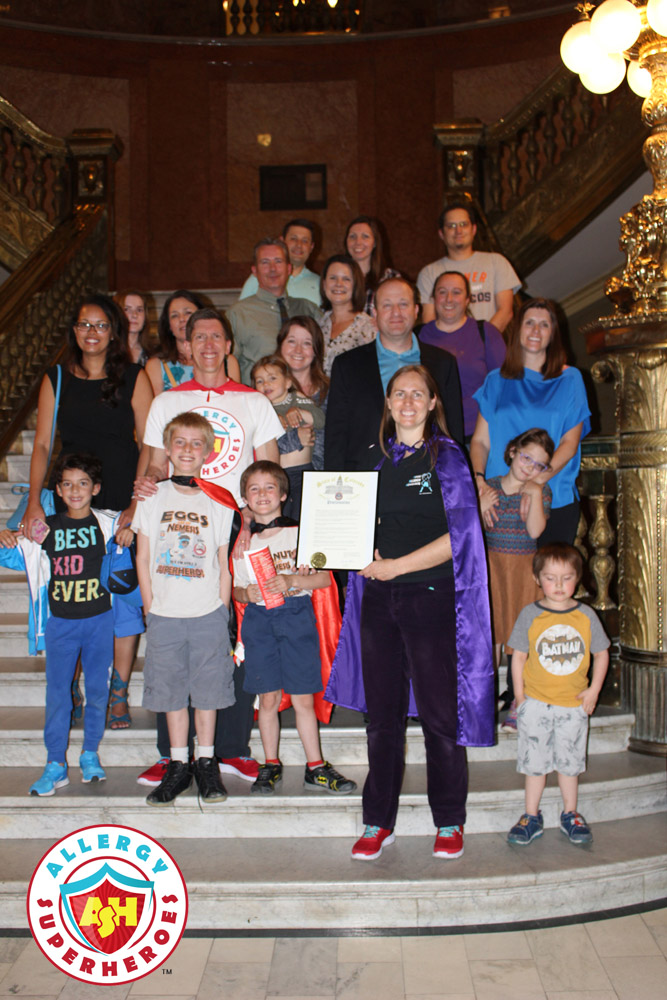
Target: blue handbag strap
{"points": [[55, 413]]}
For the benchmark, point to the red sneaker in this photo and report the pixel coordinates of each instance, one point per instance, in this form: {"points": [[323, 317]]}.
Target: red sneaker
{"points": [[243, 767], [448, 842], [154, 775], [370, 844]]}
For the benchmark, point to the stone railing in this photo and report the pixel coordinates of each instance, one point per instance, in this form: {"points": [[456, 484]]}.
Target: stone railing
{"points": [[545, 168]]}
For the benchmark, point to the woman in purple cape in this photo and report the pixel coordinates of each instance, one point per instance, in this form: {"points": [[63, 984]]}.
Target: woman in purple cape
{"points": [[416, 635]]}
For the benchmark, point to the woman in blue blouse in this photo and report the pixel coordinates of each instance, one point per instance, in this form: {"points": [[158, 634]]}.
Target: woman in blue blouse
{"points": [[535, 388]]}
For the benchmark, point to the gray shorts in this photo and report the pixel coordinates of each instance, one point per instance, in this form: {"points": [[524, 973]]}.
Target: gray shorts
{"points": [[551, 738], [188, 658]]}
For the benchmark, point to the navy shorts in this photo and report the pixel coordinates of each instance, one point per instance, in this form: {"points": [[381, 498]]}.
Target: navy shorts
{"points": [[282, 648]]}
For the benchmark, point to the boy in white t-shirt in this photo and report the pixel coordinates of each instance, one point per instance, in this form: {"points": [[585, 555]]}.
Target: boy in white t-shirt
{"points": [[281, 644], [182, 543]]}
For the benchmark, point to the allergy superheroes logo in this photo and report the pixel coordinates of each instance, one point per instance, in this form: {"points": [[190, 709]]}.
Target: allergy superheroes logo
{"points": [[107, 904], [229, 441]]}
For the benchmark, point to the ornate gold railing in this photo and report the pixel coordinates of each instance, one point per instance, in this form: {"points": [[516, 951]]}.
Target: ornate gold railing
{"points": [[274, 17], [596, 540], [545, 168], [35, 306], [56, 198]]}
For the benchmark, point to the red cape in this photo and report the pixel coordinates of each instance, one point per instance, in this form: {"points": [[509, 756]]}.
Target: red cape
{"points": [[328, 619]]}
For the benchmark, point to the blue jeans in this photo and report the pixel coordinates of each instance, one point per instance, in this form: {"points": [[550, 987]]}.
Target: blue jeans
{"points": [[65, 638]]}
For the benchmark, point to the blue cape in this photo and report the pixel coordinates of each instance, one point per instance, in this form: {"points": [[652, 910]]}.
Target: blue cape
{"points": [[474, 651]]}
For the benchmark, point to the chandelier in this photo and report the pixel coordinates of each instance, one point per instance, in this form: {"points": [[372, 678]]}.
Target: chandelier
{"points": [[597, 47]]}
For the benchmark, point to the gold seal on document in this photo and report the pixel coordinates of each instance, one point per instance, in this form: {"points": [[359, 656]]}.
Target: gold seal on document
{"points": [[318, 560]]}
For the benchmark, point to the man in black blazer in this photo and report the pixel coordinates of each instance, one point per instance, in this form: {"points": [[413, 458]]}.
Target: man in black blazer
{"points": [[356, 398]]}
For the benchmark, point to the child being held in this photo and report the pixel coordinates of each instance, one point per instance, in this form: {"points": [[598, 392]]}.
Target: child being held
{"points": [[182, 542], [514, 517], [271, 376], [282, 651], [553, 640], [67, 563]]}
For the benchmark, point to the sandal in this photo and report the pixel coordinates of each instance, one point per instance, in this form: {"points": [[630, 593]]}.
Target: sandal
{"points": [[118, 696], [77, 701]]}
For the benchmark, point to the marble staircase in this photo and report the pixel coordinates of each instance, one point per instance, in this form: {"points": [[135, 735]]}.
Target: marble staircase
{"points": [[258, 865]]}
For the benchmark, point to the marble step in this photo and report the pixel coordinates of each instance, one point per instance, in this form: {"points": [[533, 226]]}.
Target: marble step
{"points": [[343, 741], [23, 443], [15, 468], [14, 633], [311, 883], [615, 786]]}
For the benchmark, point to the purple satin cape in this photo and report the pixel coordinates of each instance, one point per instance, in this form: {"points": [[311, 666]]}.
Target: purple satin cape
{"points": [[474, 651]]}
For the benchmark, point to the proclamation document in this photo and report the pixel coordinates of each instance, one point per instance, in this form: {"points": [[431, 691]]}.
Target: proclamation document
{"points": [[337, 526]]}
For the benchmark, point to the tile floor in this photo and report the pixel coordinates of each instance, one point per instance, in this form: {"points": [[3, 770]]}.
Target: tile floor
{"points": [[623, 958]]}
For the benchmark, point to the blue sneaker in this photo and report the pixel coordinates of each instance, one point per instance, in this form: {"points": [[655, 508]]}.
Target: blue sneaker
{"points": [[91, 769], [575, 828], [527, 829], [54, 776]]}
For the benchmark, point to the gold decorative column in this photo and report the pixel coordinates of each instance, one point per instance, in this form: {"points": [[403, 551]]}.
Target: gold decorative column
{"points": [[632, 344]]}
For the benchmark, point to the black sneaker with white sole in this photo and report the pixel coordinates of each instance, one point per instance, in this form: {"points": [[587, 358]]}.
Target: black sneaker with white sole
{"points": [[209, 782], [325, 778], [177, 778]]}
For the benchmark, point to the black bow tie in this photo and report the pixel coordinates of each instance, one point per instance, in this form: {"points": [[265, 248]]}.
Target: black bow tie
{"points": [[277, 522], [184, 480]]}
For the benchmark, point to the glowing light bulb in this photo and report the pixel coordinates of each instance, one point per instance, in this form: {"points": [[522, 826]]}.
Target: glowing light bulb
{"points": [[615, 25], [577, 47], [656, 15], [604, 73], [639, 80]]}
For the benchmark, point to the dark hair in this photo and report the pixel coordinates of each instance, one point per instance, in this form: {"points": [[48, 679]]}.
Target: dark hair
{"points": [[358, 287], [303, 223], [168, 348], [401, 281], [90, 464], [145, 332], [512, 366], [447, 274], [462, 203], [536, 435], [318, 378], [270, 241], [208, 312], [271, 361], [194, 422], [559, 552], [116, 360], [270, 469], [435, 418], [378, 262]]}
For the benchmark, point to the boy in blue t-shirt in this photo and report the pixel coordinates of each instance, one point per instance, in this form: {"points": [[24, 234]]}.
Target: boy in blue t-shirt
{"points": [[66, 563]]}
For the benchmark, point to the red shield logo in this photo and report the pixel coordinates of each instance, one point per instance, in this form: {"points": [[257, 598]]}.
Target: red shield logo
{"points": [[106, 909]]}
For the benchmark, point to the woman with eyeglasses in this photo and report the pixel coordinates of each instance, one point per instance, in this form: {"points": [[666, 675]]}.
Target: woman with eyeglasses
{"points": [[534, 388], [104, 402]]}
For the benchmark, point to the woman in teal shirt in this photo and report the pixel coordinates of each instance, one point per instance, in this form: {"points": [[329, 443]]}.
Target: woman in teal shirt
{"points": [[535, 388]]}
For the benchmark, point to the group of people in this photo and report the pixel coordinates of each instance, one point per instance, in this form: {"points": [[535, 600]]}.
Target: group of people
{"points": [[199, 445]]}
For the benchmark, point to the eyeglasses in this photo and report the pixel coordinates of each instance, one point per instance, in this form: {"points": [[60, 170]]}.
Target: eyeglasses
{"points": [[457, 225], [530, 463], [83, 326]]}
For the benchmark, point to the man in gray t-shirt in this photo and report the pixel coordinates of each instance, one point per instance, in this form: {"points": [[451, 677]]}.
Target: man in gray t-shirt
{"points": [[493, 280]]}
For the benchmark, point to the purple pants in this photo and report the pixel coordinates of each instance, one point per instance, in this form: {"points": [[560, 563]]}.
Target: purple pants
{"points": [[408, 634]]}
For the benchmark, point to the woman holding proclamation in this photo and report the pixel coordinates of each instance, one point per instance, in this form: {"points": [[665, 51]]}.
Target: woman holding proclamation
{"points": [[416, 629]]}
